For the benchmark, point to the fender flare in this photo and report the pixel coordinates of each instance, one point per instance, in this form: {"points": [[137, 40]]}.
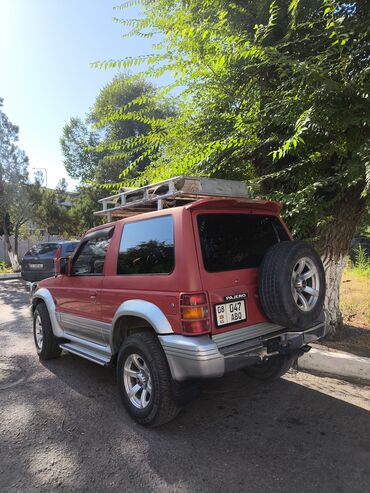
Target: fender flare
{"points": [[45, 295], [145, 310]]}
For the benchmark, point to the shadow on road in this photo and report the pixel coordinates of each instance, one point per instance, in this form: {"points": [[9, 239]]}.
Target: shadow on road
{"points": [[65, 426], [13, 299]]}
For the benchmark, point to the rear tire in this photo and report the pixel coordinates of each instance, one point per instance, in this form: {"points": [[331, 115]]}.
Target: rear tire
{"points": [[144, 380], [270, 369], [45, 341]]}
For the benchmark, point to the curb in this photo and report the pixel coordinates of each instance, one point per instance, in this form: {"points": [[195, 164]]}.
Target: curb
{"points": [[336, 363], [11, 275]]}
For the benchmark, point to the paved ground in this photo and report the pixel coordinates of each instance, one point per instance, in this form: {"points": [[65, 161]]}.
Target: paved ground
{"points": [[62, 428]]}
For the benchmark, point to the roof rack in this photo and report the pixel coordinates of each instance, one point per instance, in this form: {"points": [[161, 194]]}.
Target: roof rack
{"points": [[169, 193]]}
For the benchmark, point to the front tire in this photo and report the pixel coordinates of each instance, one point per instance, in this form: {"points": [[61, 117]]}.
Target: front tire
{"points": [[45, 341], [144, 380], [270, 369]]}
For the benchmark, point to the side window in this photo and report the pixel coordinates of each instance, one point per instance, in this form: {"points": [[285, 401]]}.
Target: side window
{"points": [[90, 258], [147, 247]]}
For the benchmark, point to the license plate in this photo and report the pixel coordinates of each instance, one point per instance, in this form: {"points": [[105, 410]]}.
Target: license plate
{"points": [[230, 313], [36, 266]]}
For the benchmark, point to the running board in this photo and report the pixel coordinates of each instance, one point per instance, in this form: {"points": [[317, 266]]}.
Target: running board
{"points": [[86, 353]]}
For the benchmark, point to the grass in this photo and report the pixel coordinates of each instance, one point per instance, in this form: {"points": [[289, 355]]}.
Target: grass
{"points": [[355, 291], [355, 298], [355, 307], [361, 267]]}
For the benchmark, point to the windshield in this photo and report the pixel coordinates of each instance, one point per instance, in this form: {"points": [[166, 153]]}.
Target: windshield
{"points": [[43, 250], [237, 241], [68, 248]]}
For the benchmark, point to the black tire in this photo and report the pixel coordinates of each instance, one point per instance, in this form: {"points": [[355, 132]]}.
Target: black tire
{"points": [[48, 348], [160, 407], [270, 369], [278, 281]]}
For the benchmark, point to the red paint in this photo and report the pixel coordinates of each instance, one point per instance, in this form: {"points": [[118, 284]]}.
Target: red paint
{"points": [[98, 296]]}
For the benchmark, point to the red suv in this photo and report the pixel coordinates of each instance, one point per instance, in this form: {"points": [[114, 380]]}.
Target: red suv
{"points": [[184, 293]]}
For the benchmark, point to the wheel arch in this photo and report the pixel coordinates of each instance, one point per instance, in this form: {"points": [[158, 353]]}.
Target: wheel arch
{"points": [[134, 316], [43, 295], [36, 301]]}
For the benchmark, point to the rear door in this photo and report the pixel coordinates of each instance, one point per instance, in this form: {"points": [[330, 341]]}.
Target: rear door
{"points": [[231, 246]]}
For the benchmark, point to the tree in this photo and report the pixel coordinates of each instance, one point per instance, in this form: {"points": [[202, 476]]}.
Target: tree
{"points": [[272, 92], [92, 147], [77, 141], [62, 186], [84, 205], [50, 212], [14, 186], [123, 111]]}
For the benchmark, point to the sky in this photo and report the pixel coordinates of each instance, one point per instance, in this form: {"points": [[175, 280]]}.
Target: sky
{"points": [[46, 47]]}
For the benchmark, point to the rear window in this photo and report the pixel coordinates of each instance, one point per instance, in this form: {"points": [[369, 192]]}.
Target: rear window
{"points": [[147, 247], [237, 241], [43, 250]]}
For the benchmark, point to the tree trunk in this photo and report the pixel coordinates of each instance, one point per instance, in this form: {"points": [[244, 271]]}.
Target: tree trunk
{"points": [[16, 238], [334, 239], [13, 257]]}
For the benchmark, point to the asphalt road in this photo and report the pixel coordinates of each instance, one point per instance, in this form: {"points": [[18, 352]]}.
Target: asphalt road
{"points": [[63, 429]]}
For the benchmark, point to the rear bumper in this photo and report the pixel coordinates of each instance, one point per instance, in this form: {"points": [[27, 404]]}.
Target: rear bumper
{"points": [[37, 275], [211, 357]]}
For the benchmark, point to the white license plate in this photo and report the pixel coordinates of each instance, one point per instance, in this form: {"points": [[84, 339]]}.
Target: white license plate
{"points": [[230, 313], [36, 266]]}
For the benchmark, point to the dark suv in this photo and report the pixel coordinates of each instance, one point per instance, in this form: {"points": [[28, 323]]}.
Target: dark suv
{"points": [[38, 262]]}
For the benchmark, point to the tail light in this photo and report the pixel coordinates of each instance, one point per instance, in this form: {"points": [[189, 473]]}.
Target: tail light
{"points": [[58, 252], [194, 313], [56, 260]]}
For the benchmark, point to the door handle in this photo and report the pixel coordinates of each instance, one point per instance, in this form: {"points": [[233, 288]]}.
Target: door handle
{"points": [[93, 297]]}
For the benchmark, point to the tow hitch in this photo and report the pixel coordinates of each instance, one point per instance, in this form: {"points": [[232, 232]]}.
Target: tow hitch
{"points": [[285, 348]]}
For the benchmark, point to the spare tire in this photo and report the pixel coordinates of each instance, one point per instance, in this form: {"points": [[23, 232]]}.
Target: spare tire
{"points": [[292, 284]]}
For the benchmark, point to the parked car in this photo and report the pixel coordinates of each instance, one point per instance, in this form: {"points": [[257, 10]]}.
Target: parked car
{"points": [[38, 262], [183, 293]]}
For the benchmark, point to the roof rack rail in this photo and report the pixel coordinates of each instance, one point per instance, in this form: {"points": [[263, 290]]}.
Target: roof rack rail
{"points": [[169, 193]]}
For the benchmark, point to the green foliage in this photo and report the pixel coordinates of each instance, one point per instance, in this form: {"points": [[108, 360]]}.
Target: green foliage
{"points": [[4, 268], [15, 190], [47, 213], [273, 92], [86, 202], [77, 143], [114, 140]]}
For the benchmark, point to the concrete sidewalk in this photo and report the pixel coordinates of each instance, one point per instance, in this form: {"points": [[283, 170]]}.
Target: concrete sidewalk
{"points": [[10, 275], [335, 363]]}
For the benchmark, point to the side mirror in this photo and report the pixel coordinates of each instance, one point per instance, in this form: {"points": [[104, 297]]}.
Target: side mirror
{"points": [[66, 266], [62, 266]]}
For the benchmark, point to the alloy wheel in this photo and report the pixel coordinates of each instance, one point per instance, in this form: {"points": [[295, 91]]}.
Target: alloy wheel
{"points": [[137, 380], [305, 284], [39, 335]]}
